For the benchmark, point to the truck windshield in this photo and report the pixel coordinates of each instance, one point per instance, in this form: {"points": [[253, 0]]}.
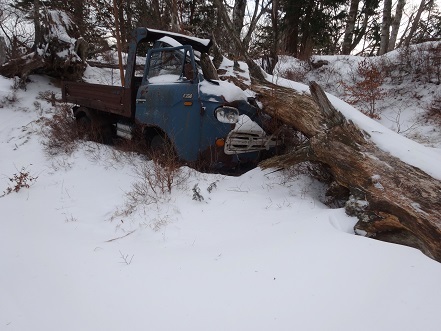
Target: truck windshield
{"points": [[166, 66]]}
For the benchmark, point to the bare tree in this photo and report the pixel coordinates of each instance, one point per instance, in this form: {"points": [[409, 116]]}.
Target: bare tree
{"points": [[423, 5], [235, 39], [235, 25]]}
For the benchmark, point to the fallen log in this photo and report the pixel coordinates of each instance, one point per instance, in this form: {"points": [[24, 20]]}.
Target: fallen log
{"points": [[393, 200], [57, 54]]}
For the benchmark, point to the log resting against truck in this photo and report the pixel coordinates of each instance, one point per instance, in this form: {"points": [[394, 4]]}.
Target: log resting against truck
{"points": [[206, 121]]}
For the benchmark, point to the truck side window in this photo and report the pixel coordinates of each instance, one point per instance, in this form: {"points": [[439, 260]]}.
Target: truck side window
{"points": [[165, 66]]}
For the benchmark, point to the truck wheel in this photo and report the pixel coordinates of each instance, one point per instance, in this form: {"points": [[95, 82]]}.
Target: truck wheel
{"points": [[84, 122], [95, 128], [160, 146], [158, 143], [84, 125]]}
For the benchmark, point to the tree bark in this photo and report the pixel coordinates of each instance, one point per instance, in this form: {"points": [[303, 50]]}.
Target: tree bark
{"points": [[394, 201], [2, 50], [350, 26], [385, 26], [306, 42], [38, 34], [79, 13], [118, 41], [396, 24], [238, 16], [292, 31]]}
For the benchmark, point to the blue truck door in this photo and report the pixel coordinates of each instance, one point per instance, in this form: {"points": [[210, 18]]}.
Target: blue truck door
{"points": [[168, 99]]}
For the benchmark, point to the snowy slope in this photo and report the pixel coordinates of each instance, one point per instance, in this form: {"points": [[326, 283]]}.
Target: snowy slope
{"points": [[260, 252]]}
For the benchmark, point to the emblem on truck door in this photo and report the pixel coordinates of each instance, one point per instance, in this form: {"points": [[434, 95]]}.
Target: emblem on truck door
{"points": [[188, 96]]}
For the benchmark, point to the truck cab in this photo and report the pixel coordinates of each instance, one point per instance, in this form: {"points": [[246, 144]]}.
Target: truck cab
{"points": [[205, 121]]}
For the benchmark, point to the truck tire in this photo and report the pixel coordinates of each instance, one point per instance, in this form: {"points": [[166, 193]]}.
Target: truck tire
{"points": [[92, 126], [159, 146]]}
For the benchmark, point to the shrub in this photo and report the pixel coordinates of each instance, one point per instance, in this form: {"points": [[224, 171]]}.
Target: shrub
{"points": [[422, 62], [154, 182], [61, 131], [20, 180], [366, 90], [296, 72], [434, 110]]}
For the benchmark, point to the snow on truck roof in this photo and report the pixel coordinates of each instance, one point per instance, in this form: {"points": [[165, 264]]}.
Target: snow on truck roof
{"points": [[170, 41], [199, 44]]}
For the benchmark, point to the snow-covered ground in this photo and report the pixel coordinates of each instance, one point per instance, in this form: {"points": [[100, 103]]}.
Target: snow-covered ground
{"points": [[259, 252]]}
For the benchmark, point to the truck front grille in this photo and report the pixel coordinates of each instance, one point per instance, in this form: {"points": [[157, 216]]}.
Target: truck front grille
{"points": [[248, 141]]}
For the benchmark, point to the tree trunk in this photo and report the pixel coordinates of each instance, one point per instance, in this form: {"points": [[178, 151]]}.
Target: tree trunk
{"points": [[156, 21], [118, 41], [238, 16], [350, 26], [394, 201], [396, 24], [273, 54], [38, 36], [385, 26], [291, 31], [174, 24], [79, 12], [2, 50], [306, 43]]}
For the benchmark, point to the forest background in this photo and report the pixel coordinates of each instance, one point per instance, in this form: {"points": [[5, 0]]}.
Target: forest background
{"points": [[265, 29]]}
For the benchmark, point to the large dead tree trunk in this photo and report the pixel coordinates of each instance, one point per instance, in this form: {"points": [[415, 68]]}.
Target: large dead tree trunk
{"points": [[393, 200]]}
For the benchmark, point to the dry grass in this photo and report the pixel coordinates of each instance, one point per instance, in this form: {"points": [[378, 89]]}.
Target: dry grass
{"points": [[61, 132], [434, 110]]}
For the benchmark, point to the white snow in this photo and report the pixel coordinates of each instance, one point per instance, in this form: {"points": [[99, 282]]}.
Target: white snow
{"points": [[260, 252], [170, 41], [204, 42], [164, 78], [229, 91], [247, 124]]}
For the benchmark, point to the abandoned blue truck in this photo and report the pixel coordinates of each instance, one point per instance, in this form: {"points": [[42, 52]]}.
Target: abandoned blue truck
{"points": [[171, 102]]}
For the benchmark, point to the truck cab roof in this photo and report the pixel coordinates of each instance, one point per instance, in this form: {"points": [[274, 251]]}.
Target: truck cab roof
{"points": [[141, 35]]}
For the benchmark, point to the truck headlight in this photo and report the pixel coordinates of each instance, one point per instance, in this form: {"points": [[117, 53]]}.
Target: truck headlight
{"points": [[227, 114]]}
